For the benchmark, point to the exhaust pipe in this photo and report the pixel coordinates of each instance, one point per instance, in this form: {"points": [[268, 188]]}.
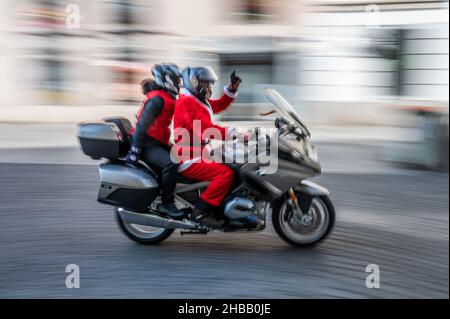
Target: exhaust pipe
{"points": [[154, 220]]}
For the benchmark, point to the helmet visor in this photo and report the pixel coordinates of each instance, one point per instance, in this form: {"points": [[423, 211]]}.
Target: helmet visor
{"points": [[206, 74]]}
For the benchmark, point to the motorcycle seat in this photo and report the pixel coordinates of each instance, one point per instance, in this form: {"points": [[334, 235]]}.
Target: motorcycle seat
{"points": [[184, 180]]}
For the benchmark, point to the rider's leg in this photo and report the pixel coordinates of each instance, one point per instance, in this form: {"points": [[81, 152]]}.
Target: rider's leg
{"points": [[221, 178], [158, 155]]}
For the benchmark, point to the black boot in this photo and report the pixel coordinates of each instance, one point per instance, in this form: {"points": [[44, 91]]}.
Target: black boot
{"points": [[203, 214], [170, 209]]}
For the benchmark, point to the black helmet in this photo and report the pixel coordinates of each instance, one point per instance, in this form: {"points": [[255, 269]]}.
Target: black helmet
{"points": [[196, 79], [168, 77]]}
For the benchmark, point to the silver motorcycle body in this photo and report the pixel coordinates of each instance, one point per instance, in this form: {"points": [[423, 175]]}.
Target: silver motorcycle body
{"points": [[302, 212]]}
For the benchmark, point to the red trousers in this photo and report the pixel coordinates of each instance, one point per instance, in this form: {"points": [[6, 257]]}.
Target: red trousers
{"points": [[220, 177]]}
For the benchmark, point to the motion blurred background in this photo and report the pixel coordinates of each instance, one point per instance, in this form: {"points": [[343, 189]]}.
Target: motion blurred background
{"points": [[370, 78], [374, 64]]}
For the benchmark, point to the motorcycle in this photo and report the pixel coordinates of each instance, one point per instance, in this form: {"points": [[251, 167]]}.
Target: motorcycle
{"points": [[302, 212]]}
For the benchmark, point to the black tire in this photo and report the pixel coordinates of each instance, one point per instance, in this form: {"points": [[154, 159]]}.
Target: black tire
{"points": [[145, 241], [276, 211]]}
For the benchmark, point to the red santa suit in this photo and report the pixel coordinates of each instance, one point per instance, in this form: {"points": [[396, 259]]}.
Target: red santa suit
{"points": [[188, 109]]}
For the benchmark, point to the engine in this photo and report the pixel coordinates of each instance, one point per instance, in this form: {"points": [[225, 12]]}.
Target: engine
{"points": [[239, 208]]}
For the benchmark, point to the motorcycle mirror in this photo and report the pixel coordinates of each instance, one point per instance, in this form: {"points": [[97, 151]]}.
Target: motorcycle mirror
{"points": [[266, 113]]}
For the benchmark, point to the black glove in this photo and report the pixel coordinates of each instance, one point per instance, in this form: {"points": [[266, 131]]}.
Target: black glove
{"points": [[235, 81], [133, 155]]}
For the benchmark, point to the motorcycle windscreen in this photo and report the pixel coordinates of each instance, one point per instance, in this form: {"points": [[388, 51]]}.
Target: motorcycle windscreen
{"points": [[285, 109]]}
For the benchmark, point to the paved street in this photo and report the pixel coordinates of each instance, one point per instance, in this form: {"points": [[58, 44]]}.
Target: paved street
{"points": [[50, 218]]}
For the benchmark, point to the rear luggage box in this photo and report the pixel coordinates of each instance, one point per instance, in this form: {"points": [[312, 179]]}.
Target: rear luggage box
{"points": [[120, 185], [104, 139]]}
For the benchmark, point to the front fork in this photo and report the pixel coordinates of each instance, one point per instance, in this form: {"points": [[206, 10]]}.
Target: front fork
{"points": [[293, 202], [298, 207]]}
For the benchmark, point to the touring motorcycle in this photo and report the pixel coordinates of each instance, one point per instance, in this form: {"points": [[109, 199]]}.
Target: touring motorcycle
{"points": [[302, 212]]}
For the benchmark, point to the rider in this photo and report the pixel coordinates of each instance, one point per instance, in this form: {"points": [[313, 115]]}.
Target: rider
{"points": [[195, 103], [150, 138]]}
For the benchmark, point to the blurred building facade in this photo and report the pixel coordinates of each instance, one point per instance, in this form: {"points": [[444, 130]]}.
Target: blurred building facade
{"points": [[316, 52]]}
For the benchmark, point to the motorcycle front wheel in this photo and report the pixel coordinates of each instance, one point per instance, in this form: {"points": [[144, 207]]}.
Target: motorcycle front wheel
{"points": [[145, 235], [309, 231]]}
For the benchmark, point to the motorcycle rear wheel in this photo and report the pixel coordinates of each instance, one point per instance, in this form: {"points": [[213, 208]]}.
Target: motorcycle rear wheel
{"points": [[145, 235]]}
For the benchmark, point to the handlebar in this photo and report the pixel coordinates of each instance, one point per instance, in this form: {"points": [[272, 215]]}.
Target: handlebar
{"points": [[281, 124]]}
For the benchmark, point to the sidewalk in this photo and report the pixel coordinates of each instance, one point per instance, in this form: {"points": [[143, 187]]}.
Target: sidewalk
{"points": [[38, 135], [341, 149], [58, 114]]}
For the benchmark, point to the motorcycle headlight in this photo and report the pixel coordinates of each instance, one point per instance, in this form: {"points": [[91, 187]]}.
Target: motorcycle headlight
{"points": [[313, 155], [310, 151]]}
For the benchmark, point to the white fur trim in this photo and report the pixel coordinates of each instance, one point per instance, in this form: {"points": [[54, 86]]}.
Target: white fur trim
{"points": [[185, 165], [206, 106], [185, 91], [229, 93]]}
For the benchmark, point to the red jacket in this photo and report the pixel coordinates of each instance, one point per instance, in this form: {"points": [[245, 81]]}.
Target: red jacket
{"points": [[160, 128], [187, 109]]}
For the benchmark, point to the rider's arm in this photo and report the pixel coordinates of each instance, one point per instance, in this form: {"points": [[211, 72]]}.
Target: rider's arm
{"points": [[222, 103], [152, 109], [225, 132]]}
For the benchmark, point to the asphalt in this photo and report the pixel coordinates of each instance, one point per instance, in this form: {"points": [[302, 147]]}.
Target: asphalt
{"points": [[394, 218]]}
